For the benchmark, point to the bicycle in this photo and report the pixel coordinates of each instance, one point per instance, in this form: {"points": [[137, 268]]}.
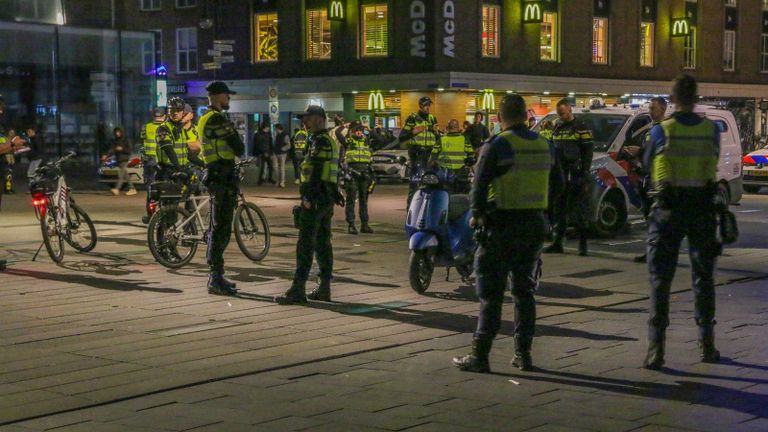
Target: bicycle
{"points": [[174, 232], [61, 219]]}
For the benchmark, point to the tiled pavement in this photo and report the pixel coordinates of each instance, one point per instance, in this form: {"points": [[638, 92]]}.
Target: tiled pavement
{"points": [[111, 341]]}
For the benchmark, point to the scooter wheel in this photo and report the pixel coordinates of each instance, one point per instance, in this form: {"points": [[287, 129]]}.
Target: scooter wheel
{"points": [[420, 269]]}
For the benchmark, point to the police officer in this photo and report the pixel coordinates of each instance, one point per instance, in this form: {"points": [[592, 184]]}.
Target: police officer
{"points": [[452, 152], [191, 137], [148, 137], [171, 148], [221, 144], [573, 158], [421, 135], [657, 110], [509, 197], [357, 161], [299, 147], [683, 161], [319, 193]]}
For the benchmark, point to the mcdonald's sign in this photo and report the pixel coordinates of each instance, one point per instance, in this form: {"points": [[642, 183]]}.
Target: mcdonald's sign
{"points": [[489, 101], [336, 9], [680, 27], [532, 12], [376, 101]]}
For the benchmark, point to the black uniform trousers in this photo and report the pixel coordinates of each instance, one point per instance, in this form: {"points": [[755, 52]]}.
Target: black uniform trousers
{"points": [[572, 204], [222, 186], [356, 189], [314, 242], [695, 218], [150, 171], [512, 246]]}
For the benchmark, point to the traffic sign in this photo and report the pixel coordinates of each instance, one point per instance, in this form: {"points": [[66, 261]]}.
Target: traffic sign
{"points": [[208, 66], [220, 47], [224, 41], [224, 59]]}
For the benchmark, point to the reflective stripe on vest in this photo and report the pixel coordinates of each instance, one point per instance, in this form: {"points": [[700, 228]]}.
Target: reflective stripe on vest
{"points": [[452, 151], [179, 147], [426, 139], [526, 184], [214, 145], [329, 158], [357, 151], [300, 140], [688, 158], [150, 145]]}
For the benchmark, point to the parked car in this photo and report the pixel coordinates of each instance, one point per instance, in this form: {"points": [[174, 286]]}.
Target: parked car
{"points": [[390, 165], [108, 170], [615, 198], [755, 170]]}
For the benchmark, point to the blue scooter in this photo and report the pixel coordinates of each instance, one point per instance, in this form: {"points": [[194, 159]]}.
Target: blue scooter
{"points": [[437, 225]]}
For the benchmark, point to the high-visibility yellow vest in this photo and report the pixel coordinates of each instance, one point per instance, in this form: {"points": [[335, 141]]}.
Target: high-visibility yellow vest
{"points": [[179, 147], [526, 184], [546, 134], [300, 140], [688, 159], [148, 136], [427, 138], [214, 128], [452, 151], [328, 156], [358, 151]]}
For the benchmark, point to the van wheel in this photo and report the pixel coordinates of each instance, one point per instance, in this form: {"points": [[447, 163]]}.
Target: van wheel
{"points": [[751, 189], [611, 216], [724, 193]]}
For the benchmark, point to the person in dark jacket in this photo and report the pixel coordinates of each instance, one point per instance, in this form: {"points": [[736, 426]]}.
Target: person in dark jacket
{"points": [[122, 152], [281, 149], [477, 132], [264, 150], [36, 153]]}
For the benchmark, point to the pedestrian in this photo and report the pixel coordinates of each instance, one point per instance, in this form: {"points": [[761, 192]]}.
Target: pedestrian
{"points": [[357, 163], [264, 150], [657, 110], [477, 132], [172, 153], [452, 153], [298, 148], [37, 150], [122, 153], [421, 134], [508, 200], [319, 192], [683, 160], [149, 153], [221, 144], [282, 148], [573, 159]]}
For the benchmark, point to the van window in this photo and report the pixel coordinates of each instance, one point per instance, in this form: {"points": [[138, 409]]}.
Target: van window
{"points": [[604, 127]]}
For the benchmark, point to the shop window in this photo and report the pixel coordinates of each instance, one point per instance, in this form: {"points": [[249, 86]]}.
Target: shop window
{"points": [[647, 44], [490, 36], [729, 51], [550, 38], [149, 5], [764, 53], [689, 50], [318, 35], [375, 31], [186, 50], [600, 40], [265, 37]]}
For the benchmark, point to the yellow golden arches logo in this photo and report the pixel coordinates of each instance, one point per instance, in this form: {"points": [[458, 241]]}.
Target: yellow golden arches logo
{"points": [[680, 27], [489, 100], [376, 101], [336, 10], [532, 12]]}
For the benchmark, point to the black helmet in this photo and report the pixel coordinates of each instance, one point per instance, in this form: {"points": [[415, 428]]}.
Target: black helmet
{"points": [[425, 100], [176, 104]]}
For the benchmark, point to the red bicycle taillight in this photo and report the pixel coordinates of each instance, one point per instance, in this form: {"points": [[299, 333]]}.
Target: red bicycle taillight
{"points": [[152, 207], [748, 161], [133, 162], [38, 200]]}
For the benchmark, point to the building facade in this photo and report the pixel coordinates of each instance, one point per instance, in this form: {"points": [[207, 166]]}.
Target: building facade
{"points": [[352, 55]]}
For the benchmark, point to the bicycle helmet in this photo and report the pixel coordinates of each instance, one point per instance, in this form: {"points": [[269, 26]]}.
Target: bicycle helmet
{"points": [[425, 100], [176, 104]]}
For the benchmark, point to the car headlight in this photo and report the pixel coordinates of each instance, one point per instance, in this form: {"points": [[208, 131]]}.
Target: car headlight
{"points": [[430, 179]]}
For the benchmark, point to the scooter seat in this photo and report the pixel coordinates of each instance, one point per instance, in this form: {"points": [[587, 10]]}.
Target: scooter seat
{"points": [[458, 206]]}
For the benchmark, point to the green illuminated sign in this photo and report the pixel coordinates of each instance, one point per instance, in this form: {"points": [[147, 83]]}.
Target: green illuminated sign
{"points": [[376, 101], [336, 10], [532, 13], [680, 27], [489, 101]]}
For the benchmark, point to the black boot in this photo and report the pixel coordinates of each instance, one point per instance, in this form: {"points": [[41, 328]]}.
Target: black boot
{"points": [[294, 295], [217, 285], [229, 283], [351, 229], [654, 360], [709, 354], [366, 229], [583, 245], [522, 359], [477, 360], [322, 292]]}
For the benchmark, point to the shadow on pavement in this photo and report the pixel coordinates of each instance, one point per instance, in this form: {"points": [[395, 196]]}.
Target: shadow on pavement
{"points": [[263, 274], [95, 282]]}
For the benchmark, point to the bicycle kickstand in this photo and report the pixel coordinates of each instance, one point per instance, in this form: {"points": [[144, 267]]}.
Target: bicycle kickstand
{"points": [[38, 251]]}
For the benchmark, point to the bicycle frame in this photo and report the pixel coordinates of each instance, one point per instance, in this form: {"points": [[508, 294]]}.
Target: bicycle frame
{"points": [[198, 202]]}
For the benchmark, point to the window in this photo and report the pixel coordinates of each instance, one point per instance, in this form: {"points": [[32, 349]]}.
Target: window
{"points": [[265, 37], [318, 35], [764, 53], [647, 44], [149, 5], [689, 50], [181, 4], [490, 36], [549, 37], [186, 50], [600, 40], [730, 2], [729, 51], [151, 53], [375, 31]]}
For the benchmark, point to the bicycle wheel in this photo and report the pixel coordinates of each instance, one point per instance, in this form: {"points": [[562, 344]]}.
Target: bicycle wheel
{"points": [[172, 246], [52, 234], [252, 231], [80, 232]]}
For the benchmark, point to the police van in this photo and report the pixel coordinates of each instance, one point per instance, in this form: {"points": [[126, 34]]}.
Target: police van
{"points": [[619, 133]]}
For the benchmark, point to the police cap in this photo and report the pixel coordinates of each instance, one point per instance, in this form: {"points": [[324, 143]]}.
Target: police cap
{"points": [[218, 87]]}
